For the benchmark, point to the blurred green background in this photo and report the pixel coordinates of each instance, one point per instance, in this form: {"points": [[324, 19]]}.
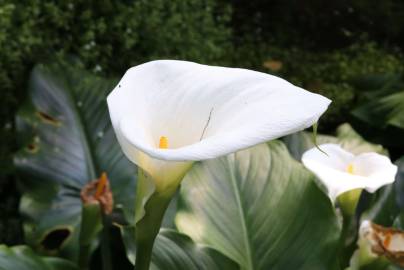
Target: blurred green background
{"points": [[323, 46]]}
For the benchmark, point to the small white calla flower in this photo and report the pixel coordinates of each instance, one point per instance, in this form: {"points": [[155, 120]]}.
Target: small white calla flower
{"points": [[341, 171], [167, 113]]}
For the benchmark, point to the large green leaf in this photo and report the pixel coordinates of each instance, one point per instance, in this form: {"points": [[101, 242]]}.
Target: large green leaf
{"points": [[68, 142], [176, 251], [262, 209], [23, 258]]}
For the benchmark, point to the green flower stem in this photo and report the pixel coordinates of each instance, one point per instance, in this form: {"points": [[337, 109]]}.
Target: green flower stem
{"points": [[105, 244], [348, 201], [151, 204], [84, 256], [149, 226], [347, 244], [91, 225]]}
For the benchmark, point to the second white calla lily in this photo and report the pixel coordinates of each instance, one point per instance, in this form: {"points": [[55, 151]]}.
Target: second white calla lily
{"points": [[167, 113], [341, 171]]}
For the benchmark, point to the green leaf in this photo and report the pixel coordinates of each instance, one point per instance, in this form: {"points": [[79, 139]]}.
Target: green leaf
{"points": [[299, 142], [355, 143], [69, 142], [262, 209], [378, 85], [23, 258], [399, 183], [380, 116], [380, 112], [346, 136], [176, 251], [389, 201]]}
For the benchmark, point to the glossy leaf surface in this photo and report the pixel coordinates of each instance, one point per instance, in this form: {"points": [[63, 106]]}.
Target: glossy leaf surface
{"points": [[67, 142], [176, 251], [262, 209]]}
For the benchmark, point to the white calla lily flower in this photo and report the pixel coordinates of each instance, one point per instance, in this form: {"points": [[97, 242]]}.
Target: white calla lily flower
{"points": [[168, 113], [341, 171]]}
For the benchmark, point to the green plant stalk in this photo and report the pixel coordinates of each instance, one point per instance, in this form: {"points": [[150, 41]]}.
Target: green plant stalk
{"points": [[148, 227], [347, 246], [348, 201], [84, 256], [91, 225], [105, 244]]}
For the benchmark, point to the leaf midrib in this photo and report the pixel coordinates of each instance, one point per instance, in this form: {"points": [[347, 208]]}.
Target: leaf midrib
{"points": [[242, 214], [84, 136]]}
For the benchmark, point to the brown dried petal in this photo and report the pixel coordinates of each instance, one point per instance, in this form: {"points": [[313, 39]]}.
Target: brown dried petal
{"points": [[105, 198], [385, 241]]}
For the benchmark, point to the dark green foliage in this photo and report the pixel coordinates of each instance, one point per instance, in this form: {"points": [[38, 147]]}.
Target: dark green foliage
{"points": [[10, 225], [380, 113], [321, 46], [328, 73], [317, 24], [331, 74], [108, 37]]}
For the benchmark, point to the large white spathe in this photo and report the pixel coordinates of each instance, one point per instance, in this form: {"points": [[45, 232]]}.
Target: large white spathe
{"points": [[341, 171], [204, 111]]}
